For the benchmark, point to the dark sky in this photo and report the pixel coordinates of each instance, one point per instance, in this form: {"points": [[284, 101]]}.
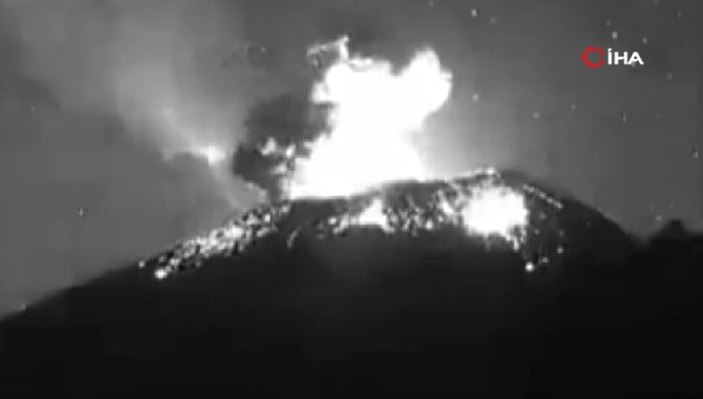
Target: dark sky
{"points": [[101, 99]]}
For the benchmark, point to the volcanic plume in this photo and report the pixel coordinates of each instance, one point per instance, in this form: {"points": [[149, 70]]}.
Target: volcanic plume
{"points": [[356, 130]]}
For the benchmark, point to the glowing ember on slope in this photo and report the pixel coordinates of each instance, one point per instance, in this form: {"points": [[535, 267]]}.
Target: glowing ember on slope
{"points": [[495, 211], [489, 210], [374, 113], [234, 237], [373, 215], [482, 205]]}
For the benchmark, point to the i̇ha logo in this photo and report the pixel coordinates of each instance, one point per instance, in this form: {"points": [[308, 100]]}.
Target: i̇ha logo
{"points": [[609, 57]]}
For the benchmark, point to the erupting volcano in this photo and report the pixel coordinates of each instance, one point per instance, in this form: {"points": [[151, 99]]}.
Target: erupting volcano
{"points": [[338, 199], [365, 171], [364, 252]]}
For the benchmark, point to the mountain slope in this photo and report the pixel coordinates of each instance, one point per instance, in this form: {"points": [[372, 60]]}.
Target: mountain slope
{"points": [[388, 290]]}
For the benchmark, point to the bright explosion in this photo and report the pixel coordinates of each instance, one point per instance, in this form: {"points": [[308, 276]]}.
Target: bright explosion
{"points": [[211, 153], [374, 114], [495, 211]]}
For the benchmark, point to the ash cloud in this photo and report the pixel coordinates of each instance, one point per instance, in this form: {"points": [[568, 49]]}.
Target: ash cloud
{"points": [[290, 121], [287, 121]]}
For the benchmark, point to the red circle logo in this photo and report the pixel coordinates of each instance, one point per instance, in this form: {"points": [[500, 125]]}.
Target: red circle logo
{"points": [[588, 51]]}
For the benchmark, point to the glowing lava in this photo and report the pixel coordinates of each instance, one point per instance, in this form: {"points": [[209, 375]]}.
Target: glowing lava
{"points": [[484, 207], [495, 211], [374, 114], [373, 215]]}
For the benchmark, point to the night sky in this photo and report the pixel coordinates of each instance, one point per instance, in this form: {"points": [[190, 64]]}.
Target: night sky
{"points": [[102, 102]]}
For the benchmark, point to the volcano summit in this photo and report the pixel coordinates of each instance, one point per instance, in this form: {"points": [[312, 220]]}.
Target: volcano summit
{"points": [[502, 211], [402, 289]]}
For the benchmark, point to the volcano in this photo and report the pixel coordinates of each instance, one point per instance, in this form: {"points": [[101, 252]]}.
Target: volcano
{"points": [[401, 290]]}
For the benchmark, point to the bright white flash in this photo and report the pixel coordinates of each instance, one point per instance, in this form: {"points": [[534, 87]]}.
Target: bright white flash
{"points": [[374, 115], [211, 153], [373, 215], [495, 211]]}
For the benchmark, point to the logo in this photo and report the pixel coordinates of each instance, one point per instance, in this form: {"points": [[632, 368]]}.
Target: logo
{"points": [[609, 57]]}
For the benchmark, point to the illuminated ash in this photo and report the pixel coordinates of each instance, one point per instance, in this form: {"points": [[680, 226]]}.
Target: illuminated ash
{"points": [[373, 115]]}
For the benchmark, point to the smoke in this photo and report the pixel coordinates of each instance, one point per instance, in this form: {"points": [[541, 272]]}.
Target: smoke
{"points": [[277, 131], [114, 116], [177, 72]]}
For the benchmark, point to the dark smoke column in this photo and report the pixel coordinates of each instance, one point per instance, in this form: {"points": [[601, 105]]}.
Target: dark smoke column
{"points": [[278, 129]]}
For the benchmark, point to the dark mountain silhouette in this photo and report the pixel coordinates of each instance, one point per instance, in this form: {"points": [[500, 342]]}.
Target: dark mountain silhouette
{"points": [[302, 304]]}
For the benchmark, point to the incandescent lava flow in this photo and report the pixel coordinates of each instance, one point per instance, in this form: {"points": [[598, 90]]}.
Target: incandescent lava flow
{"points": [[499, 211]]}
